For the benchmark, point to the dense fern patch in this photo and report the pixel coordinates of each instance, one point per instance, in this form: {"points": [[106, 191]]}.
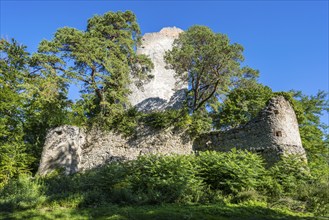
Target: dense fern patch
{"points": [[235, 177]]}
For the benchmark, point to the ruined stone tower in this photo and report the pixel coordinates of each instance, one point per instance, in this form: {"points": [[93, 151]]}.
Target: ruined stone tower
{"points": [[273, 133], [163, 91]]}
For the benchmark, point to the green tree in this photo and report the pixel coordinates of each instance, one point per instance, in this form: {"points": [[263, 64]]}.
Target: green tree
{"points": [[313, 131], [209, 63], [33, 99], [13, 158], [241, 105], [102, 58], [46, 104]]}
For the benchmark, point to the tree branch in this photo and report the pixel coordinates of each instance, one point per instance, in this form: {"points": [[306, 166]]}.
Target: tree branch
{"points": [[209, 96], [93, 81]]}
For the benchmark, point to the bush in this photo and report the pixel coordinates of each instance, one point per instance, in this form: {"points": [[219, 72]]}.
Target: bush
{"points": [[231, 172], [21, 193], [289, 203], [160, 179], [315, 192], [114, 182], [13, 160], [247, 197], [289, 184], [126, 122], [287, 177], [318, 198], [57, 184], [148, 180], [200, 123], [165, 119]]}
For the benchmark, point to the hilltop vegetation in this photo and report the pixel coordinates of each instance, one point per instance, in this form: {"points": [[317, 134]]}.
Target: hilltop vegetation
{"points": [[222, 94]]}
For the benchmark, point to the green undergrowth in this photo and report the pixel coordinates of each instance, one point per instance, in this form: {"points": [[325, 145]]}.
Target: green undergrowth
{"points": [[206, 186]]}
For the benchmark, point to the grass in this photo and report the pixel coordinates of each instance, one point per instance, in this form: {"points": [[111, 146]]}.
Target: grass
{"points": [[159, 212]]}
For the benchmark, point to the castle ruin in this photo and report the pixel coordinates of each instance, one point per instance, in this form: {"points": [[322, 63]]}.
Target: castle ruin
{"points": [[273, 133]]}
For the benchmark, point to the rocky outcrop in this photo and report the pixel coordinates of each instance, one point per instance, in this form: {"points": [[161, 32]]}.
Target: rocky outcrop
{"points": [[273, 133], [163, 91]]}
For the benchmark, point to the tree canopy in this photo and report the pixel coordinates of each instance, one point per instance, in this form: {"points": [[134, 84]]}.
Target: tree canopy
{"points": [[241, 105], [209, 63], [102, 58], [33, 99]]}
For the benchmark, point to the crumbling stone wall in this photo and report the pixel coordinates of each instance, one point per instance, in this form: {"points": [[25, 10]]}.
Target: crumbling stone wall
{"points": [[75, 149], [104, 147], [273, 133]]}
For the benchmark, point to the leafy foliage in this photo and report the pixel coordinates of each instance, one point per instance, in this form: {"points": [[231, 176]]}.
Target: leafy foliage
{"points": [[241, 105], [169, 118], [209, 64], [193, 125], [21, 193], [13, 158], [288, 175], [13, 161], [231, 172], [102, 59], [33, 100], [312, 130], [237, 177], [201, 122], [166, 179]]}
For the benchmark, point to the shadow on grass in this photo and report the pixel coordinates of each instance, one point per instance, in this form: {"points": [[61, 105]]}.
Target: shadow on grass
{"points": [[159, 212], [213, 211]]}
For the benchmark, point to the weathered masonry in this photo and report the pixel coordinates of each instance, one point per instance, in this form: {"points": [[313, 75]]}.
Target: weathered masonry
{"points": [[163, 90], [273, 133]]}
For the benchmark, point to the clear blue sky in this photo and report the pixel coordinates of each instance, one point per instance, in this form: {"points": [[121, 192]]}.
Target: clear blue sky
{"points": [[286, 40]]}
